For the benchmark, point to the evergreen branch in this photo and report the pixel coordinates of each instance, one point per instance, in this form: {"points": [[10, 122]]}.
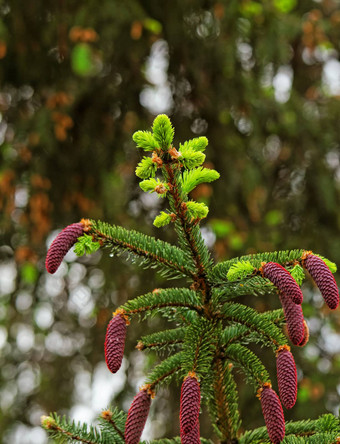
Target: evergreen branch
{"points": [[253, 368], [189, 233], [165, 371], [255, 321], [245, 335], [255, 286], [112, 422], [162, 339], [192, 178], [218, 274], [223, 404], [298, 429], [199, 346], [66, 431], [196, 144], [163, 298], [153, 252]]}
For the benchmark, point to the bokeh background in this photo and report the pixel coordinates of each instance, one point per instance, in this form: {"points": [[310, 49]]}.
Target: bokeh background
{"points": [[260, 79]]}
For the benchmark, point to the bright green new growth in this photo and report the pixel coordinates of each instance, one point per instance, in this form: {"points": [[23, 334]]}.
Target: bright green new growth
{"points": [[240, 270], [146, 168], [86, 245], [212, 334], [163, 131]]}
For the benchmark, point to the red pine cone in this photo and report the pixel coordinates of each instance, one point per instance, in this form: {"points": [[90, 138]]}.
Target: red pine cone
{"points": [[190, 405], [324, 279], [286, 377], [61, 245], [283, 280], [294, 319], [273, 414], [192, 437], [115, 342], [137, 416]]}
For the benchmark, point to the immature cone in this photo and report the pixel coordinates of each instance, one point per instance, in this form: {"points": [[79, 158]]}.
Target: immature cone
{"points": [[190, 408], [115, 342], [323, 278], [283, 280], [137, 416], [61, 245], [273, 414], [294, 319], [286, 376]]}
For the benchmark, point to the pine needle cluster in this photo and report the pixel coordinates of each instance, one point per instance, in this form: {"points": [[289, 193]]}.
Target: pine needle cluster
{"points": [[214, 331]]}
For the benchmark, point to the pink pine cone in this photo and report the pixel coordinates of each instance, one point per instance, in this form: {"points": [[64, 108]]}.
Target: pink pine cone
{"points": [[283, 280], [273, 415], [324, 279], [137, 416], [294, 319], [286, 377], [61, 245], [115, 342], [189, 406]]}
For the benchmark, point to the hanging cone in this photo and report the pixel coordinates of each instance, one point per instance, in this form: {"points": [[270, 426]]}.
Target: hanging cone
{"points": [[115, 341], [286, 376], [190, 405], [273, 414], [294, 319], [137, 416], [61, 245], [283, 280], [323, 278]]}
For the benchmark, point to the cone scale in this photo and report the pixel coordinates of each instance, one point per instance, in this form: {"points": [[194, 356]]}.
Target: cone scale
{"points": [[283, 280], [323, 278]]}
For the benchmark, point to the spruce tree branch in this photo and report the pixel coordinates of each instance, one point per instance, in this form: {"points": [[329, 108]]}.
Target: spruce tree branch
{"points": [[161, 378], [71, 435], [142, 346], [134, 243], [225, 422], [181, 212], [166, 304], [108, 419]]}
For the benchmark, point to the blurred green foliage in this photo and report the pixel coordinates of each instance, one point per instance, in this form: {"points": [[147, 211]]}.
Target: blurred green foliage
{"points": [[259, 79]]}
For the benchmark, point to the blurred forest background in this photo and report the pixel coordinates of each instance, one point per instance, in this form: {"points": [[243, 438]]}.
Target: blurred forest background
{"points": [[260, 79]]}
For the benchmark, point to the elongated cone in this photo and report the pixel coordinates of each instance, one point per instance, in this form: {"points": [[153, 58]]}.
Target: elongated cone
{"points": [[137, 416], [286, 376], [283, 280], [273, 414], [294, 319], [192, 437], [323, 278], [115, 342], [61, 245], [190, 404]]}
